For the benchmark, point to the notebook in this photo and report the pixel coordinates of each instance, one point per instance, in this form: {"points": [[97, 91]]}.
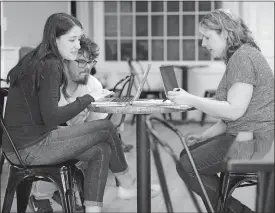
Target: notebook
{"points": [[139, 90], [168, 78]]}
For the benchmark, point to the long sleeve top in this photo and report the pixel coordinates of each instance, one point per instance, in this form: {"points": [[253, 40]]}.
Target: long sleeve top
{"points": [[30, 117]]}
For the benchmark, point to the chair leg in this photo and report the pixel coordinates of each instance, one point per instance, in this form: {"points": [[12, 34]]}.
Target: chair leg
{"points": [[23, 192], [223, 191], [66, 192], [13, 181], [2, 160]]}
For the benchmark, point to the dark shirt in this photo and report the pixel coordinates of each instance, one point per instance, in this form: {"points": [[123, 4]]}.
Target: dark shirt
{"points": [[29, 117]]}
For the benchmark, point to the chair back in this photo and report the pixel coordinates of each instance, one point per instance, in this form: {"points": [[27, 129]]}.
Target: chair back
{"points": [[156, 139], [5, 131], [128, 80]]}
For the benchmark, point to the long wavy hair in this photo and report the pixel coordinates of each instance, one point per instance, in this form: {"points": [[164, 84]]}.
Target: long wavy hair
{"points": [[222, 20], [57, 24]]}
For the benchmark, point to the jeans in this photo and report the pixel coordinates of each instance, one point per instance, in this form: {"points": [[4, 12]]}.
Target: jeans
{"points": [[96, 143], [209, 157]]}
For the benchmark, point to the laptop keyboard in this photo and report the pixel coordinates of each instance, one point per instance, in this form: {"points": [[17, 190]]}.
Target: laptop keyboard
{"points": [[122, 99]]}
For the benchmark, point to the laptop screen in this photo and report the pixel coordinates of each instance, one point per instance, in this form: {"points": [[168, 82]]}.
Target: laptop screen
{"points": [[168, 78], [140, 87]]}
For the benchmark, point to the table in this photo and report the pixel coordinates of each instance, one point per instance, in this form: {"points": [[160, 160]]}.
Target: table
{"points": [[142, 143]]}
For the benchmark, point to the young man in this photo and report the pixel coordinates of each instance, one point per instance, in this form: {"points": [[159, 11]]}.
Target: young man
{"points": [[80, 82]]}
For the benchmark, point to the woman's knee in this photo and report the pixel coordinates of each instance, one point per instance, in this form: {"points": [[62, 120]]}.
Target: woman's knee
{"points": [[183, 168]]}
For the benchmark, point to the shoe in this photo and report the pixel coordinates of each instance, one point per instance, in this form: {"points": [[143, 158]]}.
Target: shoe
{"points": [[127, 147], [131, 193], [40, 206]]}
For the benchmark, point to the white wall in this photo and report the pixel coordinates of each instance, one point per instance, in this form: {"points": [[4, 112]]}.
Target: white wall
{"points": [[25, 21], [259, 17]]}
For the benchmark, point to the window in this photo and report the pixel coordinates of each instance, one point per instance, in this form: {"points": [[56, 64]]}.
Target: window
{"points": [[155, 30]]}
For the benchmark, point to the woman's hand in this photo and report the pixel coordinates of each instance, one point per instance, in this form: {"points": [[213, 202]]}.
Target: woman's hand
{"points": [[180, 96], [192, 138]]}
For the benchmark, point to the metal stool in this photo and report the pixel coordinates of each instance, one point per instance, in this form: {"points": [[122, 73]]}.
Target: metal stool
{"points": [[229, 181]]}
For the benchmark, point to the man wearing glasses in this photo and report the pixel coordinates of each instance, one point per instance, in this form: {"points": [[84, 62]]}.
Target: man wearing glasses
{"points": [[80, 82]]}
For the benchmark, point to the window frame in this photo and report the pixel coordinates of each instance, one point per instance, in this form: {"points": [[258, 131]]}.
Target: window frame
{"points": [[180, 38]]}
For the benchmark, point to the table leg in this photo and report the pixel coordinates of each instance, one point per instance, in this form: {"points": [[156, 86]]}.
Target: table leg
{"points": [[143, 166]]}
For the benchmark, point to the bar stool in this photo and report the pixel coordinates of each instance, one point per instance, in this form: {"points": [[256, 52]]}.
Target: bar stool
{"points": [[229, 181], [21, 176]]}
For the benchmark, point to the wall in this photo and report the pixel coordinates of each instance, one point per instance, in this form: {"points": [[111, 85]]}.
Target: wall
{"points": [[23, 24], [25, 21]]}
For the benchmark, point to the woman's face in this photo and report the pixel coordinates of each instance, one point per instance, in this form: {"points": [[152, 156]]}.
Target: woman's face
{"points": [[214, 42], [68, 44]]}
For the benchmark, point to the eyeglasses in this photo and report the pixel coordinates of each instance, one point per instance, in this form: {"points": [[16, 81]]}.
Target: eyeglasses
{"points": [[83, 63]]}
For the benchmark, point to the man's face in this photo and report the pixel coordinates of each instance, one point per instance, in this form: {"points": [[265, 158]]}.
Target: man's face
{"points": [[79, 70]]}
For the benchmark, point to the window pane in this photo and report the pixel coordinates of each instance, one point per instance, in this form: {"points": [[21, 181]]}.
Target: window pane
{"points": [[188, 25], [111, 50], [110, 6], [157, 50], [126, 49], [126, 6], [204, 54], [173, 6], [157, 6], [141, 25], [126, 25], [218, 4], [204, 5], [188, 49], [173, 25], [157, 26], [188, 6], [173, 51], [142, 49], [141, 6], [110, 25]]}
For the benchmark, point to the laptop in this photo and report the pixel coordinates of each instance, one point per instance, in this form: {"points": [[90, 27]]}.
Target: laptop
{"points": [[169, 78], [139, 90]]}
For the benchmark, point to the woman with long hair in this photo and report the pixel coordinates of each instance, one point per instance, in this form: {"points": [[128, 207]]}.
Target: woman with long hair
{"points": [[244, 105], [32, 116]]}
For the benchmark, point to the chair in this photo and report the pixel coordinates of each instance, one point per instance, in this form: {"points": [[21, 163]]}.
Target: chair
{"points": [[127, 80], [3, 94], [155, 141], [264, 168], [229, 181], [21, 176]]}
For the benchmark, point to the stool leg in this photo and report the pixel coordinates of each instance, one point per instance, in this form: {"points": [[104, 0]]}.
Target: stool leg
{"points": [[66, 191], [223, 192], [2, 160], [13, 181], [23, 192]]}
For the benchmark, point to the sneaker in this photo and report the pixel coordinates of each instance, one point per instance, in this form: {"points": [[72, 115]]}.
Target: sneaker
{"points": [[40, 206], [131, 193]]}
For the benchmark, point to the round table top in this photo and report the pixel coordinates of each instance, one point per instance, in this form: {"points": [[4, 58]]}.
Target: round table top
{"points": [[138, 107]]}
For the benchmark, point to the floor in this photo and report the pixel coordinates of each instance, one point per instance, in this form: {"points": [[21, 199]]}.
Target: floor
{"points": [[181, 200]]}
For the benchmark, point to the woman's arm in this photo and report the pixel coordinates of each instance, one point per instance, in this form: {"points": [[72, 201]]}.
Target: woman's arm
{"points": [[217, 129], [49, 96], [238, 98]]}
